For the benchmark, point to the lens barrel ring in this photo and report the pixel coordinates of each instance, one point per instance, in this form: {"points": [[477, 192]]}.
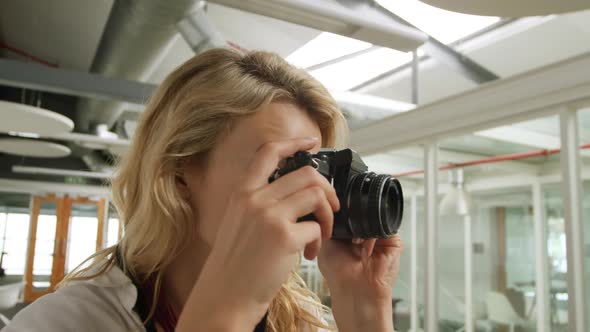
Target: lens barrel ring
{"points": [[394, 208], [355, 208], [376, 194]]}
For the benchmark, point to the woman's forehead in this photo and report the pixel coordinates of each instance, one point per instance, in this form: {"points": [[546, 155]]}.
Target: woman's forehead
{"points": [[275, 121]]}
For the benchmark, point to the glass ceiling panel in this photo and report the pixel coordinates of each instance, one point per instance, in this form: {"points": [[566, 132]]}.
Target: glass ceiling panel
{"points": [[443, 25], [326, 46], [349, 73]]}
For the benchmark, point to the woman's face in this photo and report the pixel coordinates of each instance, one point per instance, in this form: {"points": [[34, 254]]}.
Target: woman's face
{"points": [[211, 183]]}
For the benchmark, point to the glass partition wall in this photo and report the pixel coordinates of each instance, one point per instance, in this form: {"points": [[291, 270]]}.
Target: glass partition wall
{"points": [[407, 298], [497, 190], [505, 221]]}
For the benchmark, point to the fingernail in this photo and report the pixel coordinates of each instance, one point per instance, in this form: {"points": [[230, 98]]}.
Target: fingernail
{"points": [[312, 138]]}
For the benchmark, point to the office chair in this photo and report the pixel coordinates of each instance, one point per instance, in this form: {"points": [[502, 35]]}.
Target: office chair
{"points": [[500, 311]]}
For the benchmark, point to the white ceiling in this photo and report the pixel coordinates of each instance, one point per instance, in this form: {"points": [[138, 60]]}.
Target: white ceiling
{"points": [[553, 41], [64, 32]]}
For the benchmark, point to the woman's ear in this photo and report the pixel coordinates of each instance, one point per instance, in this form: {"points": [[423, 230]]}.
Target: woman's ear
{"points": [[189, 176], [180, 181], [181, 178], [182, 186]]}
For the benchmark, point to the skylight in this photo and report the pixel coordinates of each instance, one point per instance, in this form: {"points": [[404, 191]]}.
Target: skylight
{"points": [[349, 73], [443, 25], [326, 46]]}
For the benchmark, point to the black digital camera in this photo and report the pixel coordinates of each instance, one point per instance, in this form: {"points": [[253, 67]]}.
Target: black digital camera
{"points": [[371, 205]]}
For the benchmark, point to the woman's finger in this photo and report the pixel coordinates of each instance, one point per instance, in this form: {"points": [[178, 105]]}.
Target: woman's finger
{"points": [[306, 201], [269, 155], [368, 247], [312, 250], [302, 178], [308, 237]]}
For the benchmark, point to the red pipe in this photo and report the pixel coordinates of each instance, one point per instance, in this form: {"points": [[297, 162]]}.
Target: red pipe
{"points": [[496, 159], [26, 54]]}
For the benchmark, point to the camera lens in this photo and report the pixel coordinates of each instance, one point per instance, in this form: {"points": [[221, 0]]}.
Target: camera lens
{"points": [[375, 205], [392, 206]]}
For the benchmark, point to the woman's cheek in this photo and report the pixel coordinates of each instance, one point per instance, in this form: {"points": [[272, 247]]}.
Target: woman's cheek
{"points": [[210, 215], [206, 223]]}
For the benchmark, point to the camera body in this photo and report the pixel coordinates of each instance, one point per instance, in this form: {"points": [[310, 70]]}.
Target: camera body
{"points": [[371, 205]]}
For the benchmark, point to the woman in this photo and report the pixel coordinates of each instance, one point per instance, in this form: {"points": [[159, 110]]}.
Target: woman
{"points": [[209, 244]]}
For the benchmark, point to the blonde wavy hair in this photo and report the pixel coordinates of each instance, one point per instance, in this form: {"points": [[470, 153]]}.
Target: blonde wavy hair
{"points": [[185, 117]]}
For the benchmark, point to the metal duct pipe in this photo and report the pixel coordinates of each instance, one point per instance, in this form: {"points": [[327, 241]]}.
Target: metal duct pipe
{"points": [[137, 36], [198, 31], [333, 17]]}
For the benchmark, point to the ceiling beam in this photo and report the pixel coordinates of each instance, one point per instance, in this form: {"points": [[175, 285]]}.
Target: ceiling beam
{"points": [[43, 187], [537, 93], [90, 140], [82, 84], [70, 82], [460, 63]]}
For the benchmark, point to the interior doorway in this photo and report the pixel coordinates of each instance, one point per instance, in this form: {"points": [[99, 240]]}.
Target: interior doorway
{"points": [[64, 231]]}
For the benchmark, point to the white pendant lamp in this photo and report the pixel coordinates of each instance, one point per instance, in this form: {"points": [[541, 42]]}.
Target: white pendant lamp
{"points": [[33, 148], [457, 200], [510, 8], [21, 118]]}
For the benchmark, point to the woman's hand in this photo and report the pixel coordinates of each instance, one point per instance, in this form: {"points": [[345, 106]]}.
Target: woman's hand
{"points": [[259, 241], [361, 275]]}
